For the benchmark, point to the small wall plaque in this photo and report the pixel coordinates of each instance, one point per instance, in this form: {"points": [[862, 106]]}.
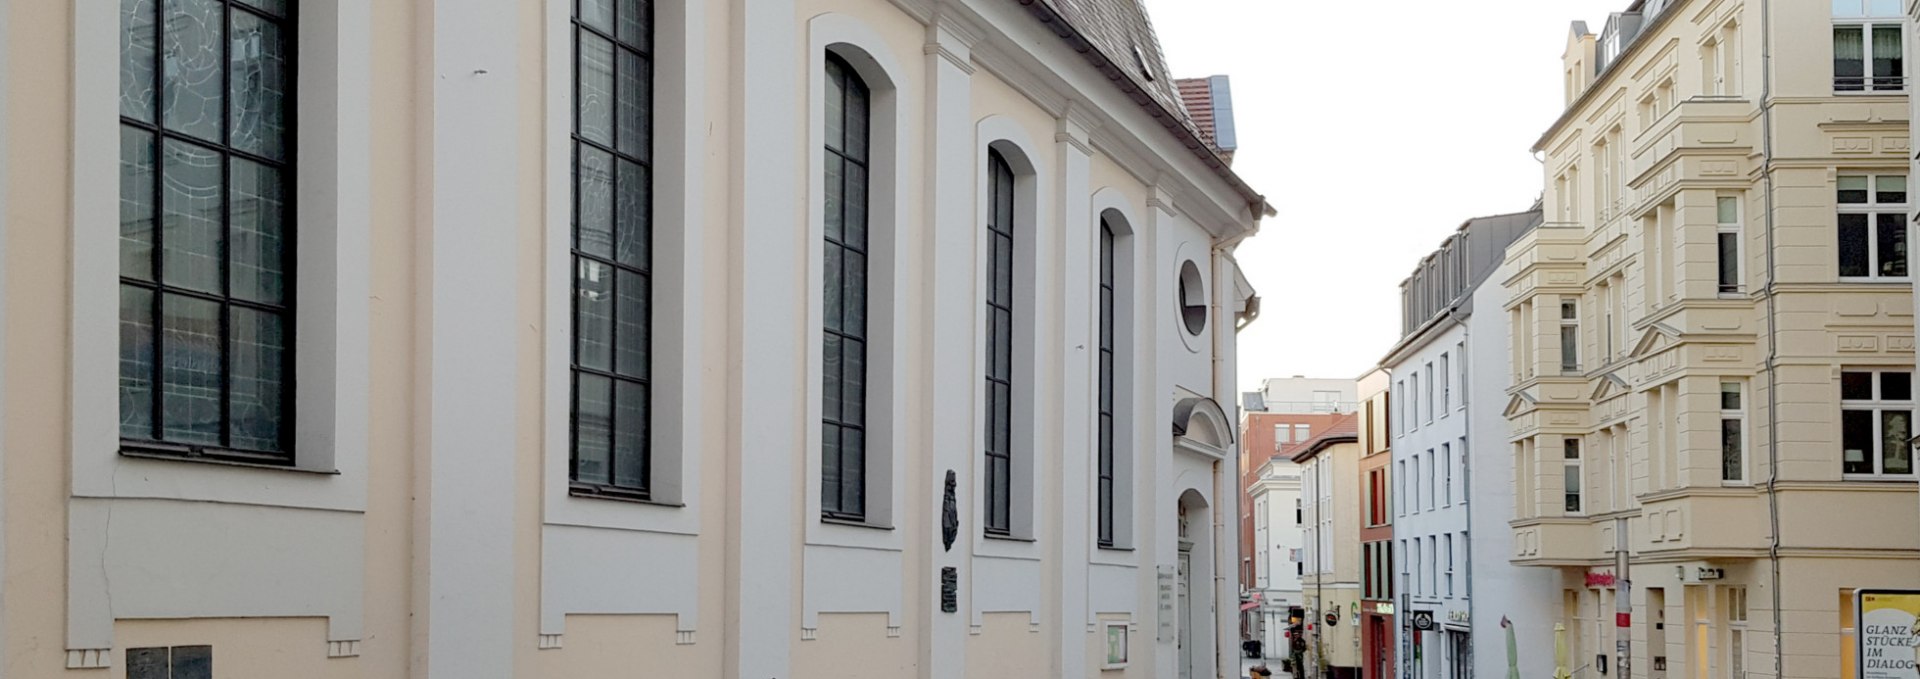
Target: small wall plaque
{"points": [[950, 590]]}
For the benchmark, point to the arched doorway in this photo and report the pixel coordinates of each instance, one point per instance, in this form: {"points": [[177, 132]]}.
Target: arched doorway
{"points": [[1194, 586]]}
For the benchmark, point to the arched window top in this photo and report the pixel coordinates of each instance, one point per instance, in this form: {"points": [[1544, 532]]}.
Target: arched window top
{"points": [[849, 111]]}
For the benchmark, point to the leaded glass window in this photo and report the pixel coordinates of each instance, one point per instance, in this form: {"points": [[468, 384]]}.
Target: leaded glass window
{"points": [[612, 247], [206, 228], [1106, 464], [843, 390], [999, 340]]}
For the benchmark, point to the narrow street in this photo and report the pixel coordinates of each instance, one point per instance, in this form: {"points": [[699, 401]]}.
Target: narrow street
{"points": [[1246, 665]]}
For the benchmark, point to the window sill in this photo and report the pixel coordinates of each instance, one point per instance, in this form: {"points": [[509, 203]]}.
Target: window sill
{"points": [[1878, 478], [1115, 548], [1009, 538], [610, 494], [1886, 280], [853, 523], [217, 458]]}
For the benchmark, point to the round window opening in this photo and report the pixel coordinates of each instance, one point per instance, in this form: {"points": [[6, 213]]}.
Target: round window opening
{"points": [[1193, 298]]}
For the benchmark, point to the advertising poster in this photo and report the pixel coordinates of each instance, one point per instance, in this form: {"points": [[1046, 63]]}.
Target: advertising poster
{"points": [[1888, 629]]}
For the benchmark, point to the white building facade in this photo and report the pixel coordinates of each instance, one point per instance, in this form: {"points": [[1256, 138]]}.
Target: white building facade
{"points": [[1449, 399], [351, 338], [1430, 527], [1301, 394], [1278, 548]]}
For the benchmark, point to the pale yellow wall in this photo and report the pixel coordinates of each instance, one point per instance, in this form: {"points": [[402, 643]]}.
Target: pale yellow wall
{"points": [[37, 391], [639, 646], [854, 646], [1677, 163], [1005, 648], [249, 647]]}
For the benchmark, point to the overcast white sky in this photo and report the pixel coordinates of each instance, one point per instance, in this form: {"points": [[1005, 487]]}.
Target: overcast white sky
{"points": [[1375, 128]]}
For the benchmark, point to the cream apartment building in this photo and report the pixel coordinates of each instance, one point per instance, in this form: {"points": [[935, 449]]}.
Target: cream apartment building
{"points": [[1330, 530], [1712, 342], [534, 338]]}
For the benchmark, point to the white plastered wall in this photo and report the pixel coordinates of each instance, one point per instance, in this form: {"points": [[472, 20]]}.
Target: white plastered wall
{"points": [[1007, 573], [590, 546]]}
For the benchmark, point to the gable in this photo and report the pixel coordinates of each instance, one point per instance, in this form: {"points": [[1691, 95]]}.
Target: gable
{"points": [[1608, 386], [1655, 340], [1520, 403]]}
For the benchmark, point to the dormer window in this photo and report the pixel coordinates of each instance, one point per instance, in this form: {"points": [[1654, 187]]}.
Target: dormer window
{"points": [[1140, 62]]}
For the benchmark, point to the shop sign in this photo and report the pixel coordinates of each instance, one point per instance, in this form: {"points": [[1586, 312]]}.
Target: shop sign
{"points": [[1888, 642], [1600, 579], [1382, 608], [1457, 616], [1422, 620]]}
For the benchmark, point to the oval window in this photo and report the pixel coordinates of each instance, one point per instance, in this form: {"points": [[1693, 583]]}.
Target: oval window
{"points": [[1193, 298]]}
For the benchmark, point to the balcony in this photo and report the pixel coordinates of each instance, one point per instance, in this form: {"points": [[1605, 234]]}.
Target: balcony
{"points": [[1569, 541]]}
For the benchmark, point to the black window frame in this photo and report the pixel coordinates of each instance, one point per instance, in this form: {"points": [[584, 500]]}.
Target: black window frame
{"points": [[998, 440], [844, 340], [1106, 476], [170, 662], [159, 136], [635, 45]]}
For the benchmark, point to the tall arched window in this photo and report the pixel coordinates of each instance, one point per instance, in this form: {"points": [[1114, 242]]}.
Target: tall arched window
{"points": [[1107, 321], [999, 350], [612, 244], [843, 432], [206, 246]]}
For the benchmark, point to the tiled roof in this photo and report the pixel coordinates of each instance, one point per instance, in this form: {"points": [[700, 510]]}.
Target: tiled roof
{"points": [[1118, 38], [1117, 28]]}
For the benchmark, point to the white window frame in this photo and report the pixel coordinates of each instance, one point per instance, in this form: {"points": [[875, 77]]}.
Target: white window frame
{"points": [[1446, 471], [1449, 544], [1569, 321], [1737, 615], [1738, 415], [1576, 464], [1429, 395], [1433, 490], [1876, 405], [1414, 484], [1867, 17], [1873, 209], [1724, 226], [1446, 386], [1413, 402], [1400, 489]]}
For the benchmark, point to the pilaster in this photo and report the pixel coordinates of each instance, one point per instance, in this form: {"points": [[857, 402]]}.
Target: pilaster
{"points": [[464, 603], [950, 217], [763, 308], [1071, 548]]}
